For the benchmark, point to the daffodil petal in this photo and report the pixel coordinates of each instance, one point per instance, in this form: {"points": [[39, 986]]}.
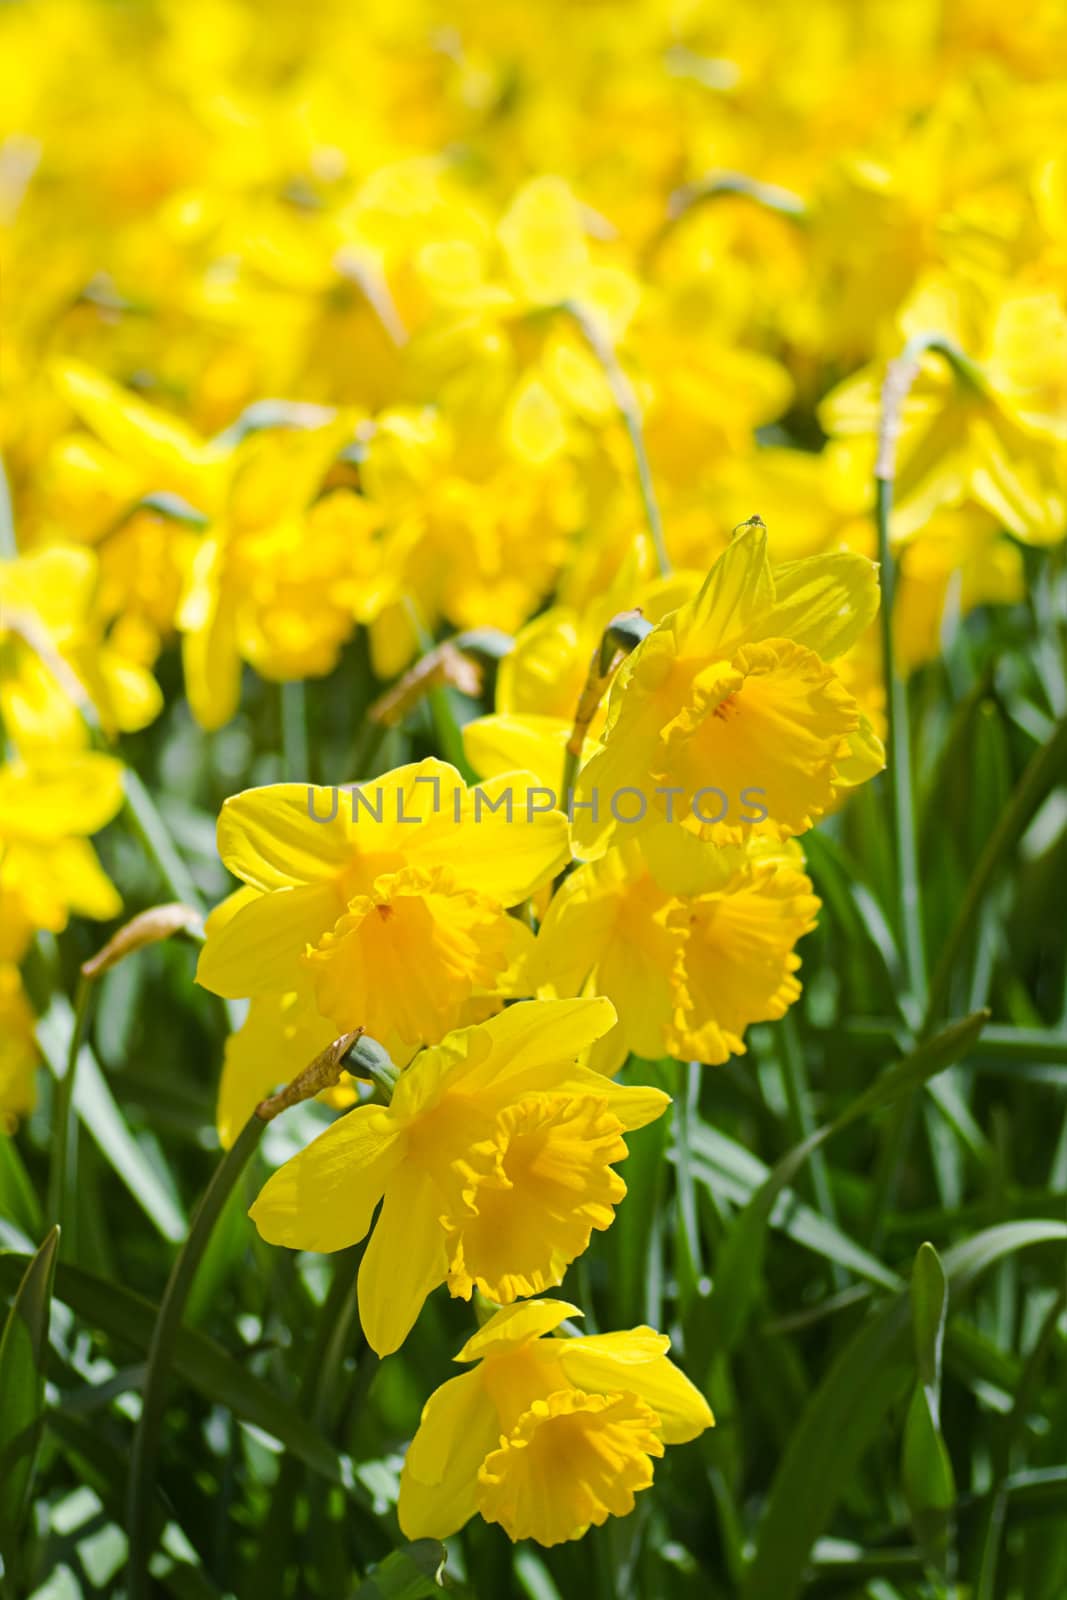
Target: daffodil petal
{"points": [[260, 946], [736, 592], [508, 742], [285, 834], [511, 844], [529, 1036], [405, 1260], [439, 1481], [514, 1325], [824, 602], [637, 1360], [324, 1198]]}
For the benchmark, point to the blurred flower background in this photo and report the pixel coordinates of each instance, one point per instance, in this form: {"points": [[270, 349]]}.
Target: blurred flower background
{"points": [[366, 370]]}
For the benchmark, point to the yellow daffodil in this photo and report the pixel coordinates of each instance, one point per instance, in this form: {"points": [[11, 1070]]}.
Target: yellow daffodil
{"points": [[281, 1034], [546, 1436], [276, 576], [57, 667], [729, 708], [387, 903], [472, 534], [541, 678], [495, 1159], [994, 438], [48, 868], [691, 942]]}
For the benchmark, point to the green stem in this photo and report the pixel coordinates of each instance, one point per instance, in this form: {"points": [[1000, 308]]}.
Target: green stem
{"points": [[295, 761], [146, 1439], [154, 835], [900, 376], [626, 401], [693, 197], [690, 1266], [64, 1121], [797, 1088], [898, 757]]}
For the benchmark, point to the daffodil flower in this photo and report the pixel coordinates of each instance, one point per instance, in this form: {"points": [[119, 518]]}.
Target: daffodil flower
{"points": [[546, 1436], [997, 442], [733, 695], [275, 575], [56, 663], [692, 942], [48, 868], [388, 903], [493, 1162]]}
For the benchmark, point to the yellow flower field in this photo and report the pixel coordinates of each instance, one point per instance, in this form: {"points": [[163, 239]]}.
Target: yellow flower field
{"points": [[533, 800]]}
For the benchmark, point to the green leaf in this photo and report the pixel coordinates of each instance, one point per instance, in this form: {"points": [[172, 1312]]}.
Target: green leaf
{"points": [[929, 1303], [97, 1108], [99, 1464], [23, 1352], [847, 1413], [734, 1174], [966, 1261], [148, 1434], [199, 1361], [1045, 769], [18, 1201], [738, 1270], [926, 1468], [634, 1286], [408, 1574]]}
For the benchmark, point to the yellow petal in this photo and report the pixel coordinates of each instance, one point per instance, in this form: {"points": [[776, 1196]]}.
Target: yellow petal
{"points": [[439, 1480], [508, 743], [569, 1463], [514, 1325], [75, 876], [405, 1260], [280, 470], [824, 602], [260, 947], [136, 431], [544, 672], [279, 836], [507, 844], [865, 758], [737, 592], [578, 924], [535, 427], [637, 1360], [18, 1056], [75, 795], [324, 1198], [212, 668], [530, 1036]]}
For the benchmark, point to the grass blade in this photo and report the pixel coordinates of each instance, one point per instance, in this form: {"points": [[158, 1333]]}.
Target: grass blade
{"points": [[161, 1352], [23, 1350]]}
